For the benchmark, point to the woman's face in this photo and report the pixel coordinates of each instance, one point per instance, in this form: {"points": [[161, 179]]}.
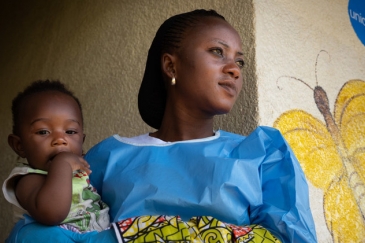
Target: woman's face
{"points": [[208, 69]]}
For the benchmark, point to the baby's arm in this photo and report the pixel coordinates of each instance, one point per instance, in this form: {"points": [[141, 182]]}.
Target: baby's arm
{"points": [[47, 198]]}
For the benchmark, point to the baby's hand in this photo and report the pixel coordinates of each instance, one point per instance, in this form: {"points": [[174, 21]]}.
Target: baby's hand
{"points": [[76, 162]]}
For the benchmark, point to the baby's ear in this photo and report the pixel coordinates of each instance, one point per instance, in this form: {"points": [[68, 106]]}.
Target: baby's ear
{"points": [[16, 144], [83, 138]]}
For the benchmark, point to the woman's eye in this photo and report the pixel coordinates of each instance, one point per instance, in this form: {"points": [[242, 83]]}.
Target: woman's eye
{"points": [[42, 132], [240, 63], [217, 51]]}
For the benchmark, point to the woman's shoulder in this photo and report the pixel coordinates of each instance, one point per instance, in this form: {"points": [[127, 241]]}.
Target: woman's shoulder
{"points": [[111, 141], [261, 140], [262, 132], [143, 139]]}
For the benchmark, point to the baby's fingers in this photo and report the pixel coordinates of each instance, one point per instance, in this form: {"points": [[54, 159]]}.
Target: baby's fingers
{"points": [[86, 169], [85, 166]]}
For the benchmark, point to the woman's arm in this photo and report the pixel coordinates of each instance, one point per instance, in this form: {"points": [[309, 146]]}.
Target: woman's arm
{"points": [[285, 209], [47, 198], [26, 231]]}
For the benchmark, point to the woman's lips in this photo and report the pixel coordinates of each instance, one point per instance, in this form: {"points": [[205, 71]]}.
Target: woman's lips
{"points": [[229, 86]]}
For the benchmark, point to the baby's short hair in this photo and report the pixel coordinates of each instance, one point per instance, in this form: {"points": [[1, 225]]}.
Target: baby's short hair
{"points": [[34, 88]]}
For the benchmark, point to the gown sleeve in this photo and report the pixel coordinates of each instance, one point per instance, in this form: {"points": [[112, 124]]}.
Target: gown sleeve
{"points": [[285, 209], [29, 231], [98, 157]]}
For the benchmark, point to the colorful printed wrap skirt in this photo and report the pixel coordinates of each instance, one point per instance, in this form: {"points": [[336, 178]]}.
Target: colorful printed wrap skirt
{"points": [[197, 230]]}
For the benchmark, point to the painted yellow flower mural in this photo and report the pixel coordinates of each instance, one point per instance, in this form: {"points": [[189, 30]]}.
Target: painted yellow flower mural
{"points": [[332, 155]]}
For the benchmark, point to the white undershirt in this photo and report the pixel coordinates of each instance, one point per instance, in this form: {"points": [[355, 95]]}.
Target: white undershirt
{"points": [[146, 139]]}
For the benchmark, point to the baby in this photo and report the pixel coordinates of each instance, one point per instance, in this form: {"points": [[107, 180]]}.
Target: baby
{"points": [[53, 188]]}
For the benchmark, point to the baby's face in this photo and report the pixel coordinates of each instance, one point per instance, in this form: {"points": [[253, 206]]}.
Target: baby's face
{"points": [[51, 122]]}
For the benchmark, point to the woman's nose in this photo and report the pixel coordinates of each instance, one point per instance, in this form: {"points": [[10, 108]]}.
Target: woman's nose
{"points": [[232, 69]]}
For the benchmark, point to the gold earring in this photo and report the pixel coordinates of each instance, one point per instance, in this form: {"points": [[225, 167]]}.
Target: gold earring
{"points": [[173, 81]]}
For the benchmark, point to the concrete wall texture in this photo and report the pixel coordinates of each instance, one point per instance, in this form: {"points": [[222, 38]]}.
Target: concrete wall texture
{"points": [[98, 48]]}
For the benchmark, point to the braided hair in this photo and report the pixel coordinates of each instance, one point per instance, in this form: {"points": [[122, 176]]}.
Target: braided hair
{"points": [[152, 93], [34, 88], [171, 32]]}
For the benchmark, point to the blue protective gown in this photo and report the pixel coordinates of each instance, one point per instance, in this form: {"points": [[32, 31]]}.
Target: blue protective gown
{"points": [[236, 179]]}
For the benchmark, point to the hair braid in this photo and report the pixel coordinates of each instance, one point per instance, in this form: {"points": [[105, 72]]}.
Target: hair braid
{"points": [[178, 25]]}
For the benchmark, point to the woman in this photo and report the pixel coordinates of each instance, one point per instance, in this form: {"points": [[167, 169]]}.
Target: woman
{"points": [[185, 168], [193, 73]]}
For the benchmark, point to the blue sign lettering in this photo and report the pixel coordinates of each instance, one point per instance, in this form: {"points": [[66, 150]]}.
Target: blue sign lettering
{"points": [[357, 17]]}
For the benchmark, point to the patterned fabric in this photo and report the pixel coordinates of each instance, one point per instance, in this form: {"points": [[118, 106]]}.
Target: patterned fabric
{"points": [[87, 211], [196, 230]]}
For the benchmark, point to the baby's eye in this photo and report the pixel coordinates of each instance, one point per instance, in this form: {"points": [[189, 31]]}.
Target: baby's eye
{"points": [[71, 132], [42, 132], [240, 63]]}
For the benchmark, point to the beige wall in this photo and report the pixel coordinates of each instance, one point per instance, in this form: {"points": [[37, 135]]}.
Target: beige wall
{"points": [[99, 49], [289, 36]]}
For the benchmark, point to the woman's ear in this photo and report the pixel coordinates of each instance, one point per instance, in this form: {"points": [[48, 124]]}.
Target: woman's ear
{"points": [[16, 144], [168, 65]]}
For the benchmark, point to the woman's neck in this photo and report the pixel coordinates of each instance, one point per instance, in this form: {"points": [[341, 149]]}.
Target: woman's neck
{"points": [[172, 130]]}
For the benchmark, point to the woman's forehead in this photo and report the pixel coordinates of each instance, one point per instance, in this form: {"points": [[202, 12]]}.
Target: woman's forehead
{"points": [[211, 29]]}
